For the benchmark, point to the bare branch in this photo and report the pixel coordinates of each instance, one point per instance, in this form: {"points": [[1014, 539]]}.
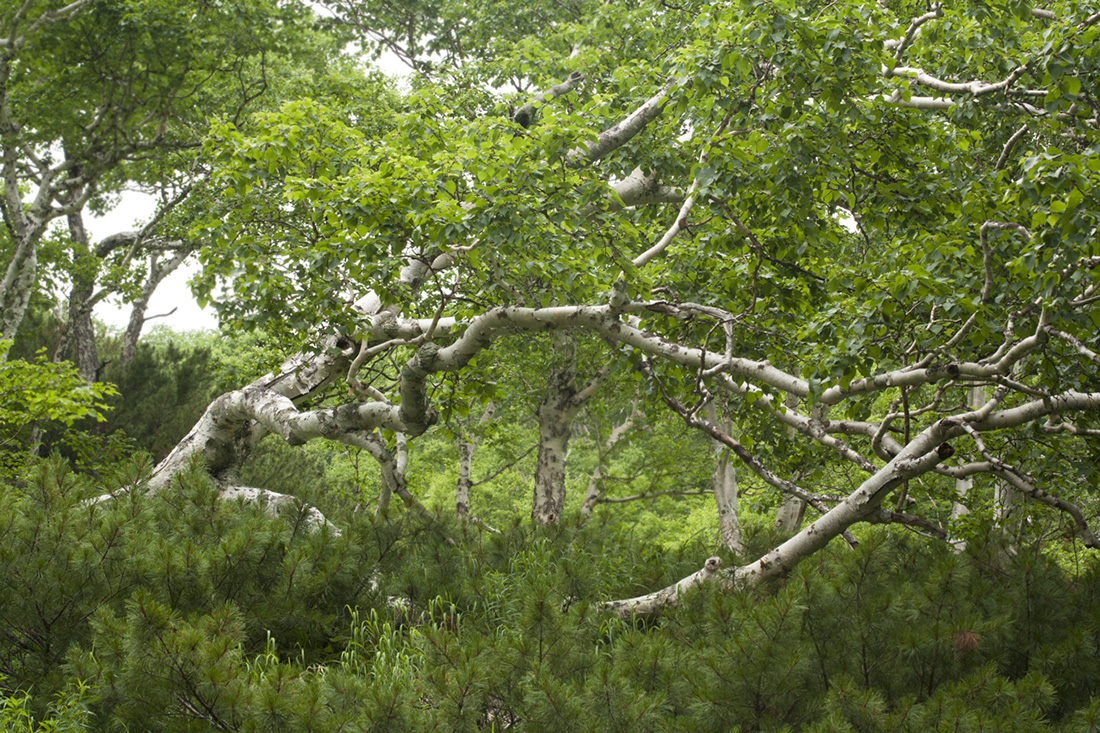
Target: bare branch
{"points": [[1077, 344], [1002, 160], [681, 217]]}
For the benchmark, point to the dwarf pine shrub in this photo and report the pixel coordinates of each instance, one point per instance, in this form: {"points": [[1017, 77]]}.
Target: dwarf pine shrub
{"points": [[182, 612]]}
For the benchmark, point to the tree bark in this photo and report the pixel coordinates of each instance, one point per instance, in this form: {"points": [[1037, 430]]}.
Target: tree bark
{"points": [[789, 517], [922, 455], [725, 490], [467, 445], [790, 514], [158, 270], [975, 398], [78, 335], [555, 421], [555, 424], [595, 481]]}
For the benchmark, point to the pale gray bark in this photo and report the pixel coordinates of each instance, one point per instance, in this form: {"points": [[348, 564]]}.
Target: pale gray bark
{"points": [[556, 412], [919, 457], [467, 445], [975, 399], [158, 270], [466, 448], [78, 334], [725, 489], [922, 455], [788, 519], [623, 131], [275, 504], [269, 405], [595, 481], [228, 428], [525, 115]]}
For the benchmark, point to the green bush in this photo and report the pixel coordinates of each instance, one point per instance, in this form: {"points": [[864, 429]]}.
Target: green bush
{"points": [[180, 611]]}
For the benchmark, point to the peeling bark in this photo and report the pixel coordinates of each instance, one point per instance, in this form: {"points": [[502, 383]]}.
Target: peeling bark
{"points": [[555, 423], [725, 490]]}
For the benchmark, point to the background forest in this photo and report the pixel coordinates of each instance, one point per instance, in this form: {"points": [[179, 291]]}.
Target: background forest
{"points": [[734, 366]]}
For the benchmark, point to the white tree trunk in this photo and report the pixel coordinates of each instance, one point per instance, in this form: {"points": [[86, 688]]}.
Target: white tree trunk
{"points": [[595, 481], [467, 446], [975, 398], [555, 422], [725, 489], [791, 512]]}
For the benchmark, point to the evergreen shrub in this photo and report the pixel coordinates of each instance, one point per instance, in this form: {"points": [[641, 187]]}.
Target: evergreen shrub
{"points": [[182, 612]]}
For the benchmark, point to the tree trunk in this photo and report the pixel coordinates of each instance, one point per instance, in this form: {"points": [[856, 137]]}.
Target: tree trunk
{"points": [[157, 272], [595, 481], [17, 286], [555, 417], [467, 445], [78, 335], [392, 466], [466, 450], [789, 517], [555, 424], [1005, 500], [725, 490], [975, 398]]}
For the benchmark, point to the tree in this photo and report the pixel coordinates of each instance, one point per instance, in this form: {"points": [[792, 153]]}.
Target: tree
{"points": [[833, 222], [100, 96]]}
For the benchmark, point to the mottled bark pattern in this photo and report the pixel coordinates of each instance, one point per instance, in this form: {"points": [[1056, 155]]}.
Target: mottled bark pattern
{"points": [[725, 489], [555, 414]]}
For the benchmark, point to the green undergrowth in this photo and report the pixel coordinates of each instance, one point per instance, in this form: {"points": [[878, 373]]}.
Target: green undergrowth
{"points": [[180, 612]]}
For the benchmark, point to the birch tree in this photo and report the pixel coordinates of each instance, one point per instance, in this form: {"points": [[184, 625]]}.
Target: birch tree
{"points": [[100, 96], [833, 221]]}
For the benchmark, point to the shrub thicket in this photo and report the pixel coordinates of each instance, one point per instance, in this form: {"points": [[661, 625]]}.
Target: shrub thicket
{"points": [[182, 612]]}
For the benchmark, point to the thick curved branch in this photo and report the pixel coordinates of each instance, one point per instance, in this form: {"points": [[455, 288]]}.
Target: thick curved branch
{"points": [[275, 503], [622, 132], [919, 457]]}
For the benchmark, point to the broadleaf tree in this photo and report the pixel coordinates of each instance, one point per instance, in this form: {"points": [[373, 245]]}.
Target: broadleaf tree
{"points": [[98, 97], [833, 220]]}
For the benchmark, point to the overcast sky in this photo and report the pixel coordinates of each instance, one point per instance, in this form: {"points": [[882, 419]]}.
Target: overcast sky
{"points": [[133, 210]]}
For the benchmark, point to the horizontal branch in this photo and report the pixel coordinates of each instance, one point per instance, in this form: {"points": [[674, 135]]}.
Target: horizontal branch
{"points": [[275, 503]]}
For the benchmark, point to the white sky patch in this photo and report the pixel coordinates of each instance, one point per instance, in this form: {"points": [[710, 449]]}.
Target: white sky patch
{"points": [[133, 209], [174, 292]]}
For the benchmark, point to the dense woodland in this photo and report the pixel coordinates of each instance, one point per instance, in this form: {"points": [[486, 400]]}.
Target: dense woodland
{"points": [[619, 366]]}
